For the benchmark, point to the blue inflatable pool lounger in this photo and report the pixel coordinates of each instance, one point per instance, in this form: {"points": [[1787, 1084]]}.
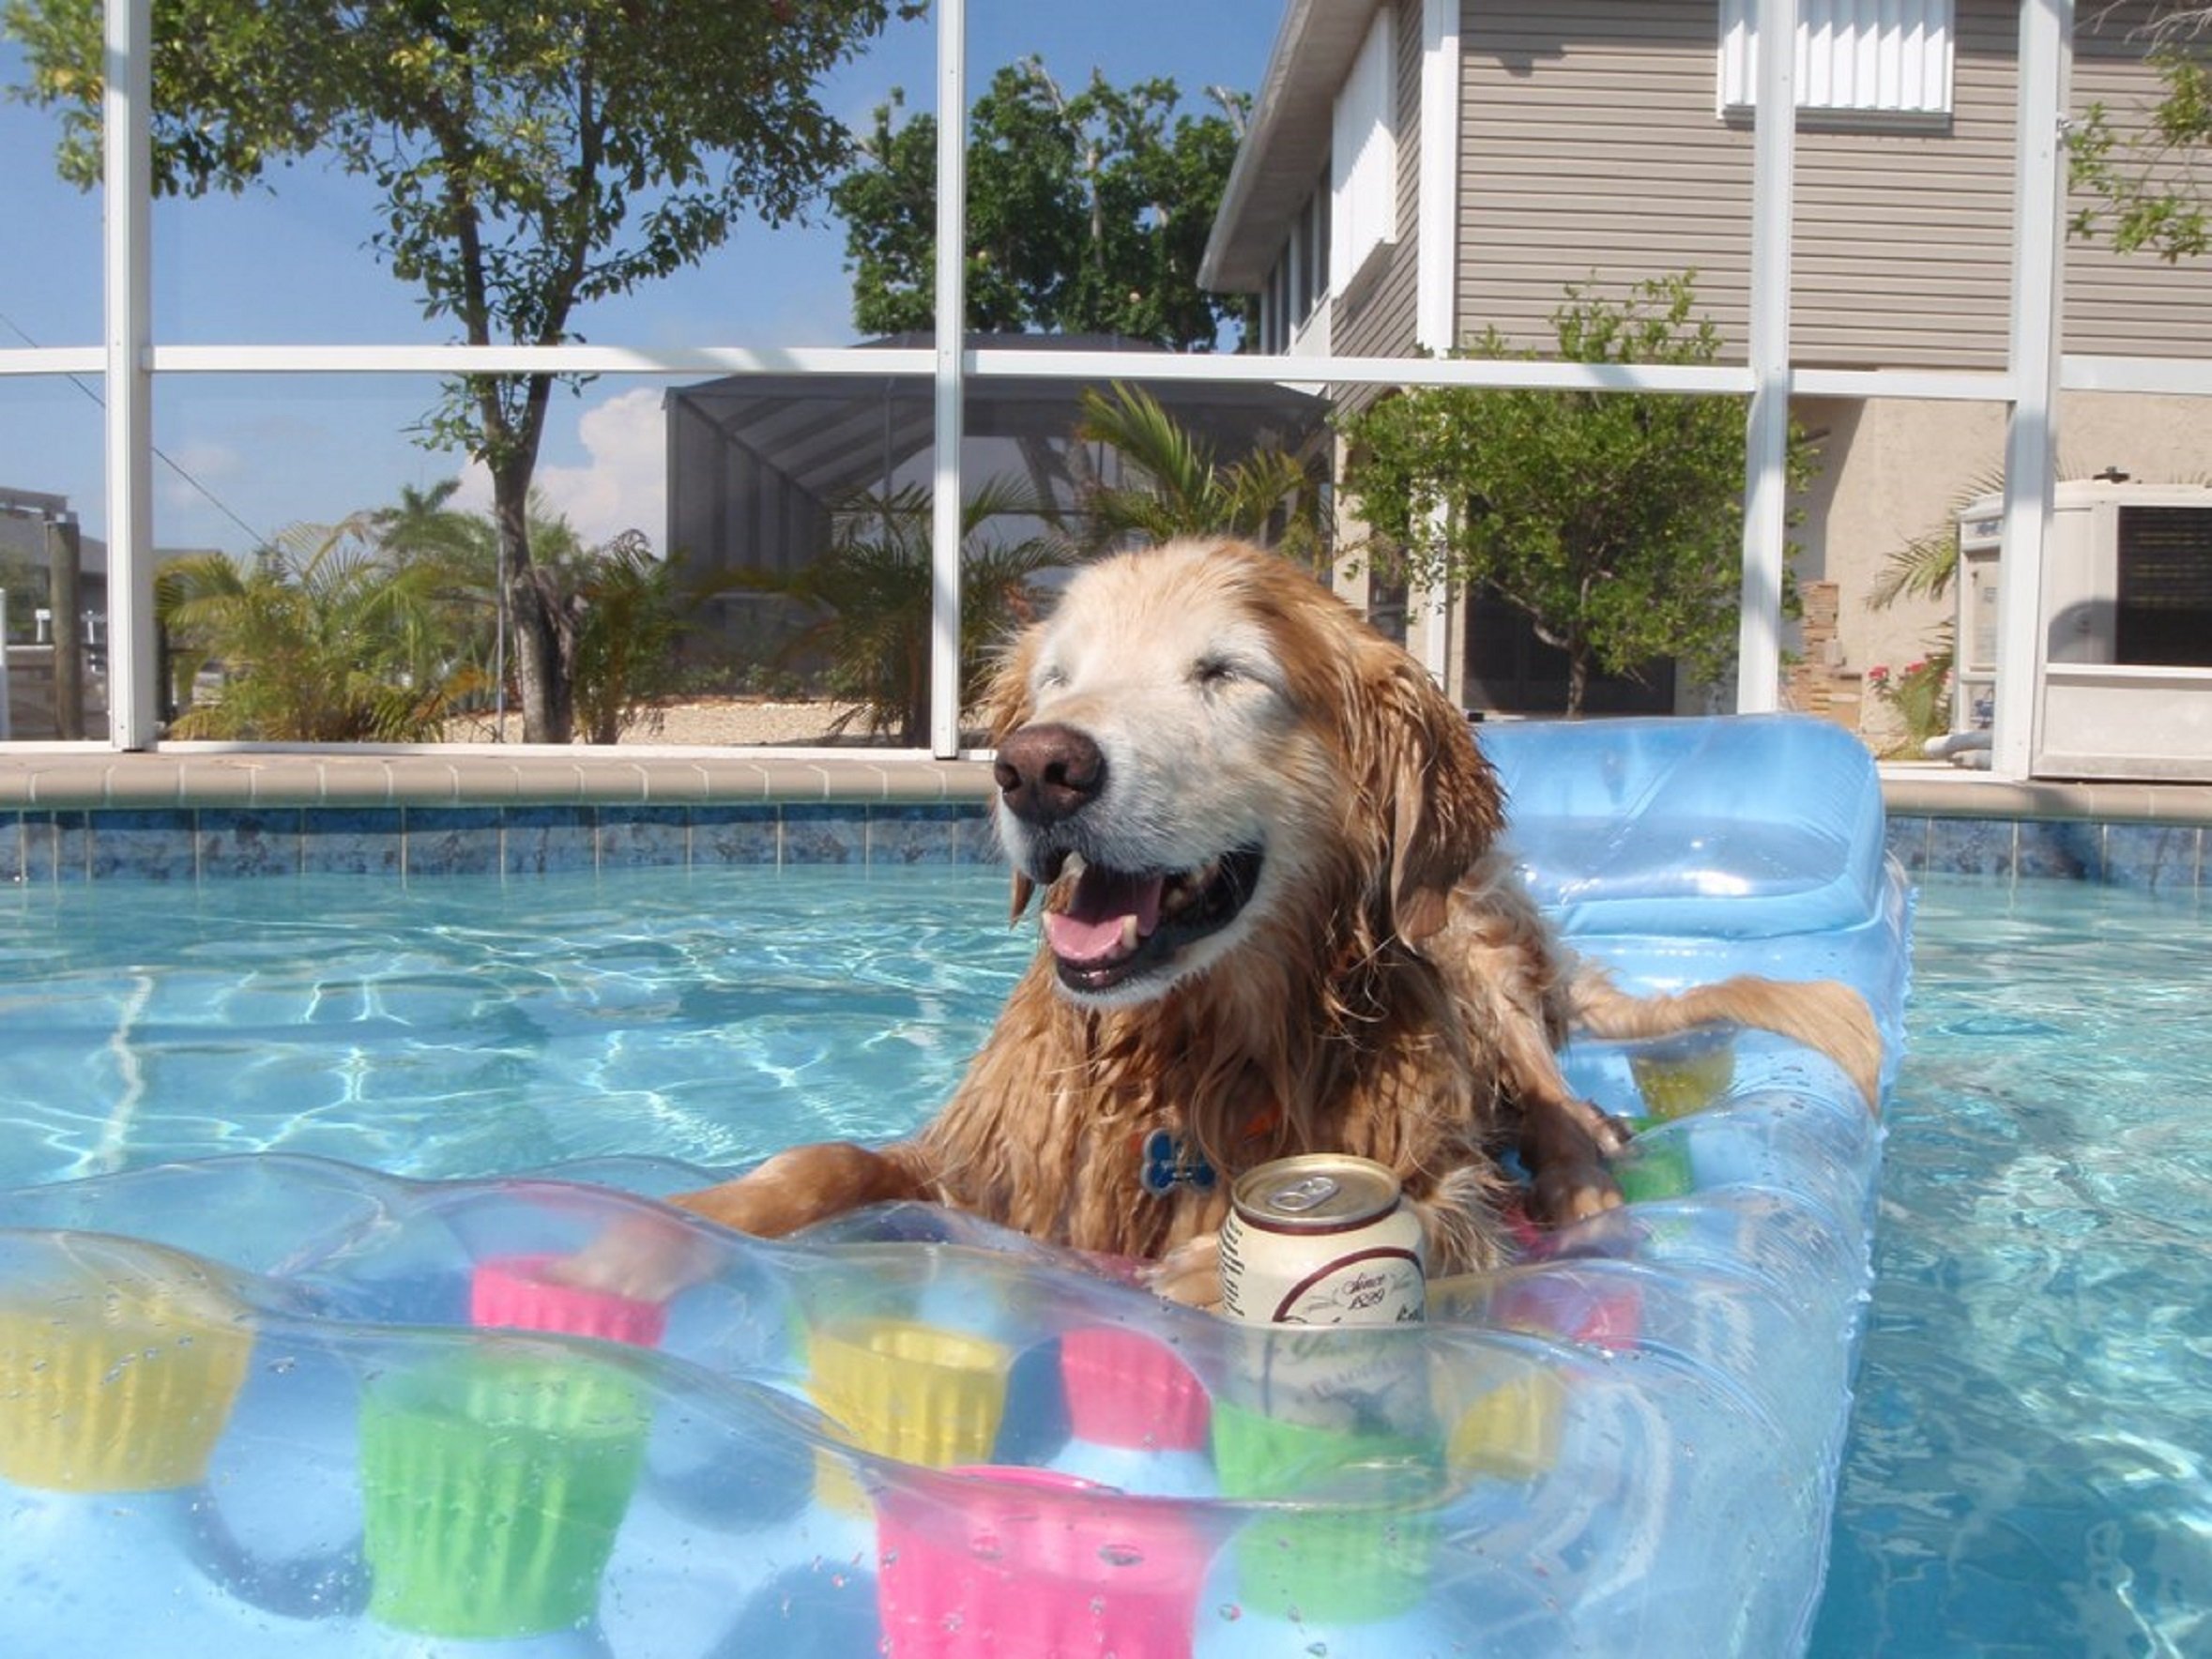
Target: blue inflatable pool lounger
{"points": [[279, 1405]]}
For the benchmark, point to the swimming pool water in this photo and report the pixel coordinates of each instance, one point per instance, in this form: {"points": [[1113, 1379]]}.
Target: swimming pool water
{"points": [[2030, 1463], [460, 1027], [2027, 1471]]}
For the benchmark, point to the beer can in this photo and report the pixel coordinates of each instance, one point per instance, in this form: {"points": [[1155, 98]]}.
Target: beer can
{"points": [[1321, 1240]]}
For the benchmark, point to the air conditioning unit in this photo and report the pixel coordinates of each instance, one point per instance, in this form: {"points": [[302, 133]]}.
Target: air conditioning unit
{"points": [[2124, 683]]}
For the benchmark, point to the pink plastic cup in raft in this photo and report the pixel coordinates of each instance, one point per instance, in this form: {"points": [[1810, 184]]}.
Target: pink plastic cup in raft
{"points": [[1012, 1562], [1126, 1388], [516, 1293], [1604, 1315]]}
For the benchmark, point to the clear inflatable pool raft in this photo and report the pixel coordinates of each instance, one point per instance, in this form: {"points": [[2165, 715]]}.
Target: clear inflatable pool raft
{"points": [[278, 1406]]}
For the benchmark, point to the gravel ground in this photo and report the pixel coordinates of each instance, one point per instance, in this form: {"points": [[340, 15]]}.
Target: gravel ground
{"points": [[711, 721]]}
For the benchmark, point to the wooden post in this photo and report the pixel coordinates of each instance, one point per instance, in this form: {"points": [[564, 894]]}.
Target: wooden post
{"points": [[64, 593]]}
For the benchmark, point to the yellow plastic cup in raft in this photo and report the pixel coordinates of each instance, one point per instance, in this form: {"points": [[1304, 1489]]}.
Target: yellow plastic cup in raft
{"points": [[902, 1389], [493, 1484], [118, 1369], [1512, 1431], [1684, 1074]]}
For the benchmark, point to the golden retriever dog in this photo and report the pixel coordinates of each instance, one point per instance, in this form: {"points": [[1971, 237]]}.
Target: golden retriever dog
{"points": [[1276, 920]]}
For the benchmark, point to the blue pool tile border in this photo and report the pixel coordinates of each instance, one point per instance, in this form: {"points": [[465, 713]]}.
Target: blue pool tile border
{"points": [[188, 843], [2168, 858], [83, 813]]}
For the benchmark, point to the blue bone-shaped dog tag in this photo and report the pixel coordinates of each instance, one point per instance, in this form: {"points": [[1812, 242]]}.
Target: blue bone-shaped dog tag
{"points": [[1169, 1163]]}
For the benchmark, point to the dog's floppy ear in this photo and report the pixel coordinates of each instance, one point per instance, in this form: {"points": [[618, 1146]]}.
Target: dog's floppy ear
{"points": [[1435, 792]]}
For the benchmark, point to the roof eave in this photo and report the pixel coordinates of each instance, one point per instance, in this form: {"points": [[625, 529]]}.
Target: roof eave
{"points": [[1285, 143]]}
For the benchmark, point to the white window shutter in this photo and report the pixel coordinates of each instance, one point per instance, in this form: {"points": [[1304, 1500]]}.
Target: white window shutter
{"points": [[1874, 57], [1363, 159]]}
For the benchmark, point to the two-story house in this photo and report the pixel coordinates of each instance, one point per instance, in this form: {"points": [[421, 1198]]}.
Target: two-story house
{"points": [[1416, 171]]}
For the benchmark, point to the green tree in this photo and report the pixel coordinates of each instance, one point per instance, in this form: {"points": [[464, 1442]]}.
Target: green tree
{"points": [[531, 157], [1612, 520], [2146, 179], [871, 591], [1087, 214], [320, 640], [1172, 485]]}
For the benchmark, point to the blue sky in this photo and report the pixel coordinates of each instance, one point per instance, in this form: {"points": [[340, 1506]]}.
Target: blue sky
{"points": [[289, 265]]}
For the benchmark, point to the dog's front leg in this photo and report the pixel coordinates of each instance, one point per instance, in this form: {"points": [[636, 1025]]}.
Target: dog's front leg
{"points": [[1190, 1273], [806, 1184], [651, 1257]]}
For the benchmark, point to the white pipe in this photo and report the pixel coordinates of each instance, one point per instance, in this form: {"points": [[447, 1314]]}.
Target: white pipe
{"points": [[1955, 743], [2031, 441], [1774, 140], [951, 389], [128, 181]]}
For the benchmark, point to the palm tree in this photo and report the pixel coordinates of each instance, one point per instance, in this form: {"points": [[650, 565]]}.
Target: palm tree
{"points": [[422, 524], [874, 584], [623, 607], [1175, 487], [321, 639], [423, 528]]}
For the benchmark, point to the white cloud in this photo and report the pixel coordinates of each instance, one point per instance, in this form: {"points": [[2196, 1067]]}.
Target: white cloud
{"points": [[622, 482], [192, 469]]}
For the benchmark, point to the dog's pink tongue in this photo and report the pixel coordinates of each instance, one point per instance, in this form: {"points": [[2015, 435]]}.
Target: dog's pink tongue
{"points": [[1091, 929]]}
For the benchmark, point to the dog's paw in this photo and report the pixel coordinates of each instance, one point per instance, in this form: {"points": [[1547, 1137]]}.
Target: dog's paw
{"points": [[1611, 1134], [1190, 1273], [643, 1256], [1572, 1188]]}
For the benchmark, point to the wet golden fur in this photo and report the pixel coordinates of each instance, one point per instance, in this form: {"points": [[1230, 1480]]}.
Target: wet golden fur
{"points": [[1389, 990]]}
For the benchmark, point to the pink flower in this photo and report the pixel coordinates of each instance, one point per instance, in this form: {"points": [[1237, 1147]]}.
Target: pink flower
{"points": [[1878, 676]]}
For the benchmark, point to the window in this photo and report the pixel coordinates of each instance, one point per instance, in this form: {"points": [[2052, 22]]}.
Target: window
{"points": [[1510, 670], [1363, 159], [1274, 323], [1298, 283], [1875, 58]]}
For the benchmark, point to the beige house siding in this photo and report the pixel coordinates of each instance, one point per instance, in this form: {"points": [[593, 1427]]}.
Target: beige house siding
{"points": [[1591, 148], [2130, 304]]}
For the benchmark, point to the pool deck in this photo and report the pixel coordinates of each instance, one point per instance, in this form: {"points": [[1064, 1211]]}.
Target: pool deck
{"points": [[90, 776]]}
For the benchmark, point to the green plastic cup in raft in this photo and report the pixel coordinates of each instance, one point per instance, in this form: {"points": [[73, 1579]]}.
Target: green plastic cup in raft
{"points": [[494, 1485], [1647, 1170], [118, 1368], [1365, 1548]]}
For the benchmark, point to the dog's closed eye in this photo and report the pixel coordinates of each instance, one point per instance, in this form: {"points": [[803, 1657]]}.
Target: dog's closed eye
{"points": [[1217, 671]]}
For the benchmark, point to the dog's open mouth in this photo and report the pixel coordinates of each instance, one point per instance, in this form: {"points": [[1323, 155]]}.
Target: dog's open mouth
{"points": [[1106, 927]]}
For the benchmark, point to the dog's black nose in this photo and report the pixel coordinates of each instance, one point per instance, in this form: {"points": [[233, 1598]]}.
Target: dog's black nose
{"points": [[1048, 772]]}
